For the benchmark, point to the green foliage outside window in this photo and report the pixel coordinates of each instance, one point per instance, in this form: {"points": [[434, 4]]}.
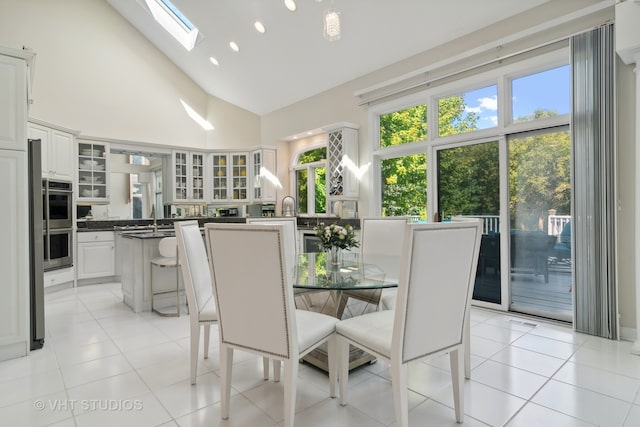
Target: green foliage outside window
{"points": [[404, 179], [539, 168], [311, 156], [539, 176]]}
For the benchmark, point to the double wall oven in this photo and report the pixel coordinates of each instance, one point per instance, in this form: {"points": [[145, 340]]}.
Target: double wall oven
{"points": [[57, 224]]}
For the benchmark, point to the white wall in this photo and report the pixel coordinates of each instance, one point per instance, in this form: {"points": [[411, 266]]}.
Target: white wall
{"points": [[96, 74]]}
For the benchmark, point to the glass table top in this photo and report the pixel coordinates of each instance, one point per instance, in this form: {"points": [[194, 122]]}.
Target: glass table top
{"points": [[352, 273]]}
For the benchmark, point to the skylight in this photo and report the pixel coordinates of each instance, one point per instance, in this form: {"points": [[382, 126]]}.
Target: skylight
{"points": [[169, 16]]}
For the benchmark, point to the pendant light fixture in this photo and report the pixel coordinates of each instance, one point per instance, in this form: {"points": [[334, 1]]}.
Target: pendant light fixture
{"points": [[332, 24]]}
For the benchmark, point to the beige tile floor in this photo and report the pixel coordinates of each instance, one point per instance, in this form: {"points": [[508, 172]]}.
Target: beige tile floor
{"points": [[103, 365]]}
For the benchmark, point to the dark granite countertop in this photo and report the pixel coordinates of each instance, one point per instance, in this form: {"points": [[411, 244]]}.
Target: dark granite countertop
{"points": [[140, 225], [150, 235], [144, 224]]}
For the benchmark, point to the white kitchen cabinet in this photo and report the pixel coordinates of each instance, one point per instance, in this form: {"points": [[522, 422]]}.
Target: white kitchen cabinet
{"points": [[59, 277], [343, 182], [93, 172], [264, 175], [187, 178], [58, 151], [229, 177], [219, 177], [239, 177], [96, 254], [14, 251], [13, 103]]}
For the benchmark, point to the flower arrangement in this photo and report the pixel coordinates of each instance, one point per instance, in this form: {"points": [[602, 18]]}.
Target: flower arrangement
{"points": [[336, 236]]}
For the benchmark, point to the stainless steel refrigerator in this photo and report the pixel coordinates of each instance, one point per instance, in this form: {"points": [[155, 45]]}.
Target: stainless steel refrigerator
{"points": [[36, 245]]}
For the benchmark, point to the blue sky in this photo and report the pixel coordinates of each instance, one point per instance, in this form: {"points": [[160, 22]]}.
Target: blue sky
{"points": [[548, 90]]}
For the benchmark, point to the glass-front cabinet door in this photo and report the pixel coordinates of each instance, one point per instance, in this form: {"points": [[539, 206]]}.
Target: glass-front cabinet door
{"points": [[220, 177], [239, 176], [197, 177], [256, 164], [93, 174], [180, 173], [264, 175]]}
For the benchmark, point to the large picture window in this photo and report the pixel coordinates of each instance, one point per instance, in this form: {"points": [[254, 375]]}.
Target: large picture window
{"points": [[509, 166], [541, 95], [468, 111]]}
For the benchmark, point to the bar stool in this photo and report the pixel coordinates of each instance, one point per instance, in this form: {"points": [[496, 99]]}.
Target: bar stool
{"points": [[168, 258]]}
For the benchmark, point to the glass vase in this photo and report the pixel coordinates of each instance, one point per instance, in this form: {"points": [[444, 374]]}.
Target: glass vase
{"points": [[333, 258]]}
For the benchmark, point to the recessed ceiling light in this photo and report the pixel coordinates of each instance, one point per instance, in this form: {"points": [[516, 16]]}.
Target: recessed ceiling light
{"points": [[290, 4], [234, 46], [213, 60], [259, 27]]}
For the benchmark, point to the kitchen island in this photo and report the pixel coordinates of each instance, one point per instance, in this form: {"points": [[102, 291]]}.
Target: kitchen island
{"points": [[136, 247], [136, 250]]}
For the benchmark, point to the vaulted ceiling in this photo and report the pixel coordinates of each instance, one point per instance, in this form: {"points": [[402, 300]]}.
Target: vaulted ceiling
{"points": [[292, 60]]}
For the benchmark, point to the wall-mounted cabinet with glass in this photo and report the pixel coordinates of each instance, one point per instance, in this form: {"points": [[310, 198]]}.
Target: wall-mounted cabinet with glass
{"points": [[229, 177], [187, 178], [221, 177], [263, 165], [93, 172]]}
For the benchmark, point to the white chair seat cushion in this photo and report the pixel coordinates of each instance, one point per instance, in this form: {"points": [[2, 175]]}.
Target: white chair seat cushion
{"points": [[313, 327], [164, 261], [208, 312], [372, 331]]}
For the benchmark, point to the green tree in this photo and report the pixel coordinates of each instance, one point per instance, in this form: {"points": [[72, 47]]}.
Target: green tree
{"points": [[539, 176], [469, 180], [404, 179], [312, 156]]}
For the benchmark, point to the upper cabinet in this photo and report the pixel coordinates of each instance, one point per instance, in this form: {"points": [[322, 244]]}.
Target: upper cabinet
{"points": [[239, 177], [342, 162], [187, 179], [264, 175], [220, 177], [13, 103], [93, 172], [229, 178], [58, 151]]}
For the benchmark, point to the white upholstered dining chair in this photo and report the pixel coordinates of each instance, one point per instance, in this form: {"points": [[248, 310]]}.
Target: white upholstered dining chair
{"points": [[436, 282], [380, 236], [199, 289], [290, 230], [256, 310]]}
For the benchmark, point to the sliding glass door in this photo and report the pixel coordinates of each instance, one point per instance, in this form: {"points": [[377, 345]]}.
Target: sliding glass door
{"points": [[540, 218], [468, 183]]}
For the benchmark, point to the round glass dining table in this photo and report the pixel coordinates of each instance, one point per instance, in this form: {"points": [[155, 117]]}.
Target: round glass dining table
{"points": [[350, 287]]}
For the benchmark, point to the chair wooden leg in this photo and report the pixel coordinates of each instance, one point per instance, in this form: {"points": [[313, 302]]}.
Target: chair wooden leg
{"points": [[332, 360], [195, 343], [456, 361], [226, 365], [342, 357], [207, 333], [399, 385], [291, 379]]}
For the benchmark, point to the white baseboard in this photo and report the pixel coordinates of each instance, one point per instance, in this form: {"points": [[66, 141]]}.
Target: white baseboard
{"points": [[628, 334]]}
